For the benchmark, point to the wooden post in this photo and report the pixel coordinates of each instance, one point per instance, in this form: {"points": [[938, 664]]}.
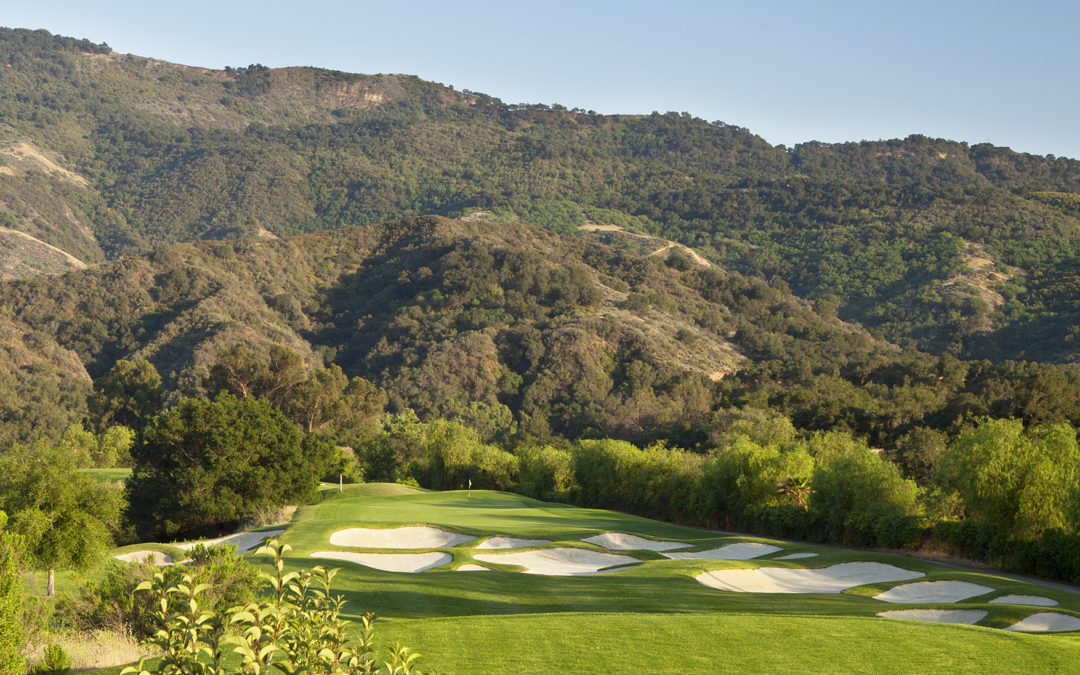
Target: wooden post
{"points": [[340, 484], [50, 589]]}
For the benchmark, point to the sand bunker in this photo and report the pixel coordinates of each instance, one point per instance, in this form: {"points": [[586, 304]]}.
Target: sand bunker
{"points": [[968, 616], [1037, 600], [418, 536], [389, 562], [243, 541], [152, 557], [796, 556], [1046, 622], [933, 592], [559, 562], [469, 567], [832, 579], [619, 541], [510, 542], [744, 551]]}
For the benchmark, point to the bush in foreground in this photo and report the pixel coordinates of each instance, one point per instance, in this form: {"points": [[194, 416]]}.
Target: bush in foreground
{"points": [[298, 630]]}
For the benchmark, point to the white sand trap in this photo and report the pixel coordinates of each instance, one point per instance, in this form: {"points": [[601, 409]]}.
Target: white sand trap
{"points": [[469, 567], [620, 541], [389, 562], [1046, 622], [560, 562], [416, 536], [243, 541], [933, 592], [510, 542], [152, 557], [968, 616], [796, 556], [832, 579], [744, 551], [1037, 600]]}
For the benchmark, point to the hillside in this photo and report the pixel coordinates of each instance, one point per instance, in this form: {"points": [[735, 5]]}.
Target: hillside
{"points": [[515, 330], [109, 154], [439, 312]]}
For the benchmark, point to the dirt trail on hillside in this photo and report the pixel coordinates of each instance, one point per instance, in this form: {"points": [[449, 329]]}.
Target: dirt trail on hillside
{"points": [[665, 245]]}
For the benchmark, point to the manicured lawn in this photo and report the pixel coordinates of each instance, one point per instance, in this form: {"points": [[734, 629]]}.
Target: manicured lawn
{"points": [[654, 617], [651, 618], [720, 642]]}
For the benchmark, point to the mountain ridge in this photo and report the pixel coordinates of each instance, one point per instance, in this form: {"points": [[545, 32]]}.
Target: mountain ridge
{"points": [[878, 230]]}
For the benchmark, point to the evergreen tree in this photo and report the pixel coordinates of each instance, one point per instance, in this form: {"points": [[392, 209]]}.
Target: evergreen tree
{"points": [[207, 464]]}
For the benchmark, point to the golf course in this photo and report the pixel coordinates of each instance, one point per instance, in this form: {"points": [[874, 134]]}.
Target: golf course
{"points": [[494, 582]]}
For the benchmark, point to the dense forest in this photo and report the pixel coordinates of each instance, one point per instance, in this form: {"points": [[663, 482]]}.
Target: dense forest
{"points": [[520, 332]]}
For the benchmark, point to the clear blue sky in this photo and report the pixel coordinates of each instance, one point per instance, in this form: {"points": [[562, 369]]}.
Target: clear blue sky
{"points": [[1007, 73]]}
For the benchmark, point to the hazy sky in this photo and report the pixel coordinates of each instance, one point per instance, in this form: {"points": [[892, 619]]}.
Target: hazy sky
{"points": [[1007, 73]]}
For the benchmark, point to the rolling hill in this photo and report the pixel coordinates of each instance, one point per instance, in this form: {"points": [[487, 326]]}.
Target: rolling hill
{"points": [[107, 154]]}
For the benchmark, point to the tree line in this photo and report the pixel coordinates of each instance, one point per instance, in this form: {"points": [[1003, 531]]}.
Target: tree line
{"points": [[270, 428]]}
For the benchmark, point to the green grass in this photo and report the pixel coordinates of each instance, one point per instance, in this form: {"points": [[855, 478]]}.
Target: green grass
{"points": [[651, 618], [109, 475], [719, 642], [654, 617]]}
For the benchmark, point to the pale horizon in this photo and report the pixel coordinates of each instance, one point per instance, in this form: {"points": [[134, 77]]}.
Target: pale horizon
{"points": [[846, 72]]}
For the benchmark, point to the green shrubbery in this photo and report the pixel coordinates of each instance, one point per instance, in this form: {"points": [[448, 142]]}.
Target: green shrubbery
{"points": [[298, 629], [545, 472], [657, 480], [111, 604], [54, 661], [1022, 482], [822, 486], [862, 499], [819, 486], [66, 518], [744, 479]]}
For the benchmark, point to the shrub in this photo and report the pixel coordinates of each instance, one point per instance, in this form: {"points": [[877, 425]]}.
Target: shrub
{"points": [[298, 630], [1021, 482], [861, 498], [491, 468], [54, 662], [545, 472], [12, 631], [745, 476], [657, 481], [111, 603], [783, 520]]}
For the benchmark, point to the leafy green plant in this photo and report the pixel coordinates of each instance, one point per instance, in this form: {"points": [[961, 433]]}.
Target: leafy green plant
{"points": [[298, 630], [55, 662], [109, 603]]}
